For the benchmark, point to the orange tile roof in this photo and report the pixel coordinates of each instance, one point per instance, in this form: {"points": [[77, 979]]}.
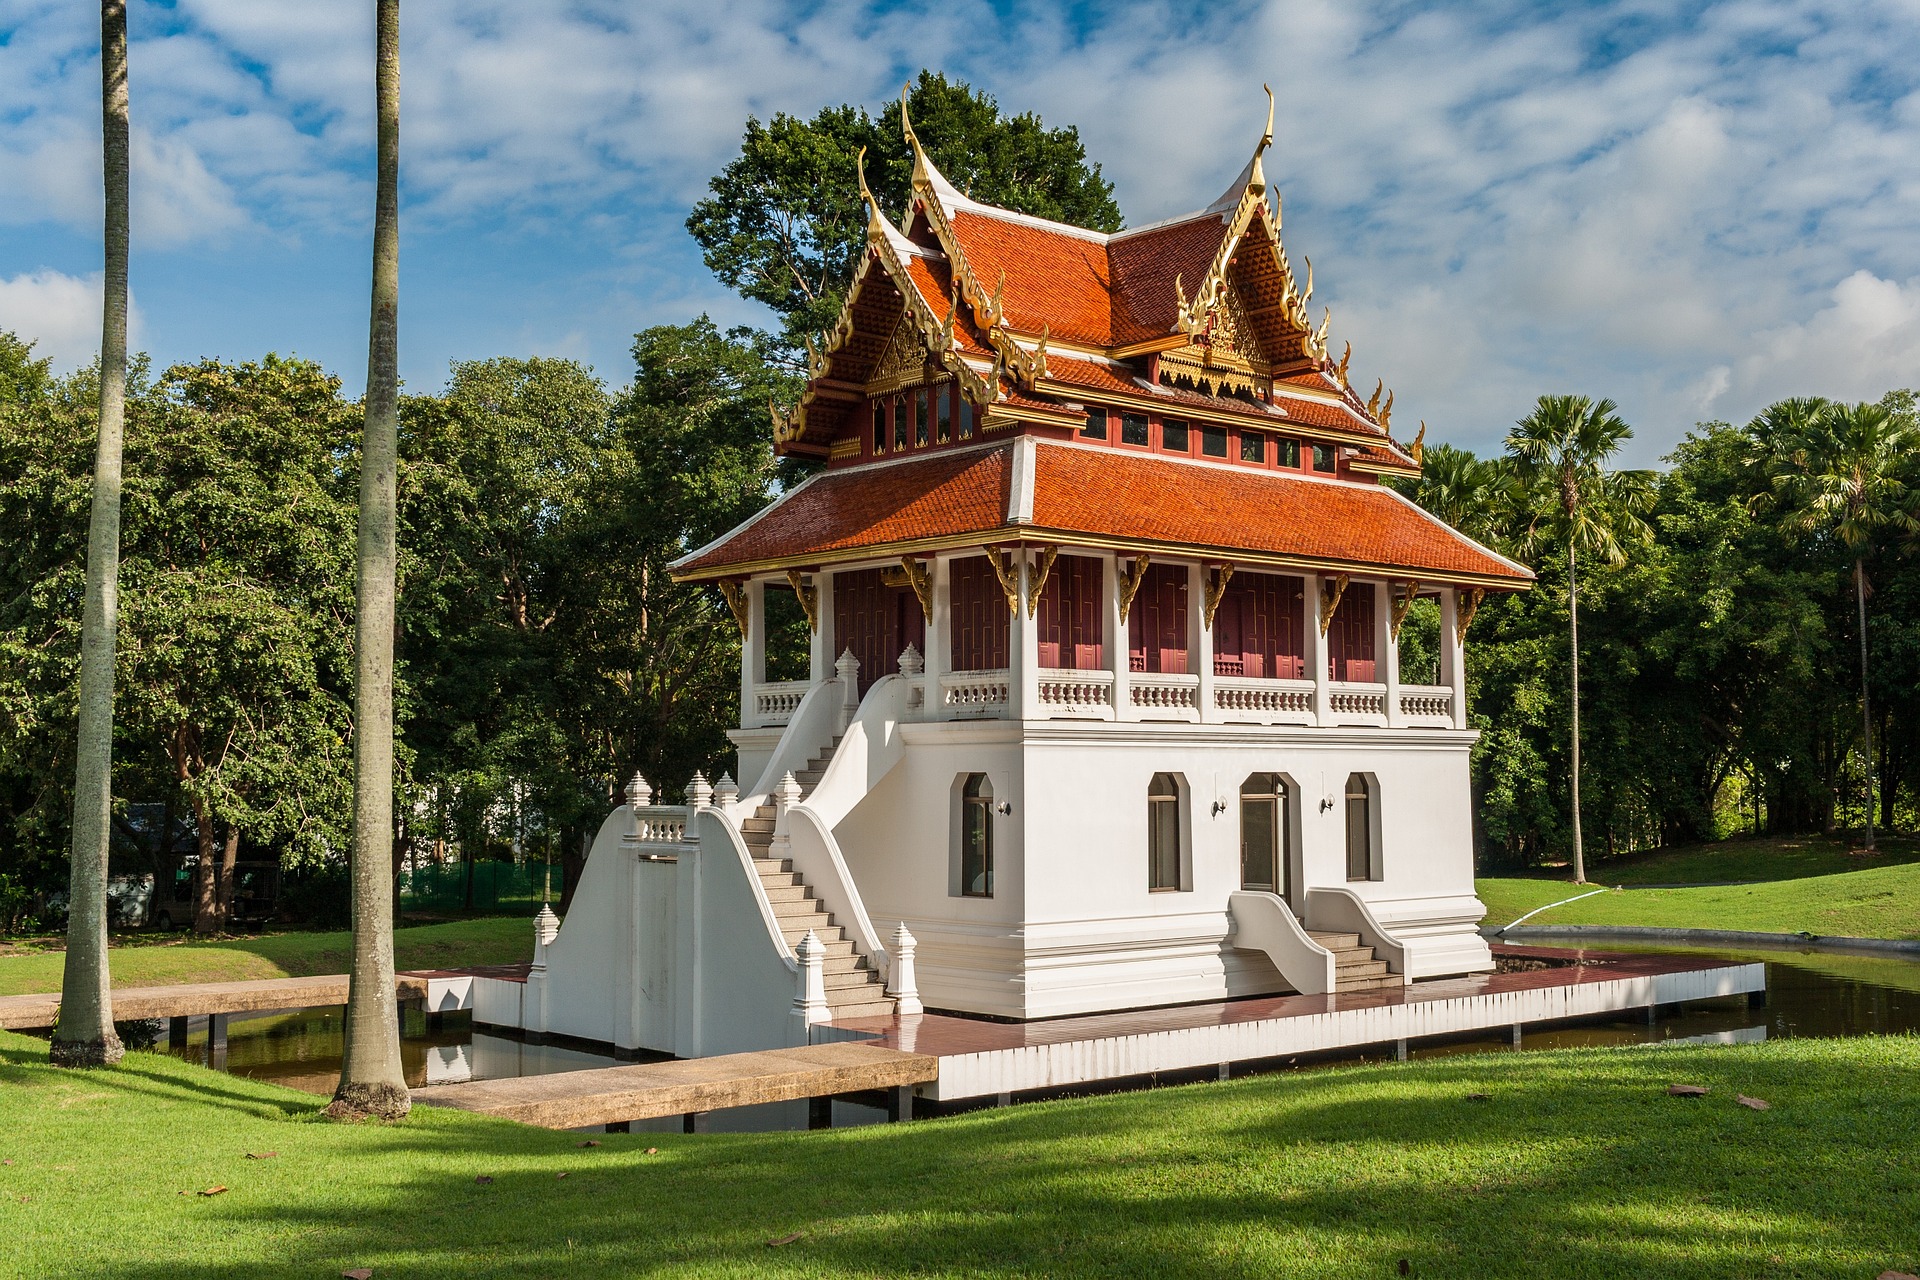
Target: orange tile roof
{"points": [[1143, 267], [1054, 279], [1104, 496], [932, 496], [1163, 500]]}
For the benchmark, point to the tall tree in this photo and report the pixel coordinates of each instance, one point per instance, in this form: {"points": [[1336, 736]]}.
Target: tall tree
{"points": [[785, 224], [1844, 469], [1560, 452], [372, 1082], [85, 1036]]}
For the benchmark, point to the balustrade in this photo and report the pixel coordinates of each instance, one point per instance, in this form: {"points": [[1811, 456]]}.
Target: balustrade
{"points": [[661, 823], [976, 693], [1358, 703], [1081, 694], [1271, 701], [1178, 693], [774, 704], [1427, 705]]}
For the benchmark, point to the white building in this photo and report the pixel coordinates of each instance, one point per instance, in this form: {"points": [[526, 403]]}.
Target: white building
{"points": [[1039, 441]]}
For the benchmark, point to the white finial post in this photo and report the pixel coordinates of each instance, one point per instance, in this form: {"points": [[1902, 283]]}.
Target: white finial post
{"points": [[639, 796], [911, 663], [786, 794], [902, 985], [848, 669], [810, 999], [699, 791], [726, 791], [546, 927]]}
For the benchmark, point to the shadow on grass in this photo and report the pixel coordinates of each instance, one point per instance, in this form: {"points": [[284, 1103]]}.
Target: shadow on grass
{"points": [[1575, 1164]]}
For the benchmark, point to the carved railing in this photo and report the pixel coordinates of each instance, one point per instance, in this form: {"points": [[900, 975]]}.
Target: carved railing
{"points": [[774, 704], [1271, 701], [1427, 705], [1165, 693], [976, 693], [1358, 703], [1083, 694]]}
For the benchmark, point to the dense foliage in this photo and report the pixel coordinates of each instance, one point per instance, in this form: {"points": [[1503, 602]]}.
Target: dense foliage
{"points": [[1720, 670]]}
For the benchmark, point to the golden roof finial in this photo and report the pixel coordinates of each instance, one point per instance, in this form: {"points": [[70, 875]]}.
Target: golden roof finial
{"points": [[1257, 178], [1373, 401], [1386, 414], [913, 139], [1307, 297], [1418, 448], [875, 223], [1346, 358]]}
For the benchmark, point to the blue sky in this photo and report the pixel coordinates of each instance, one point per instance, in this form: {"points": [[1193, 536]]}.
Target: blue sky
{"points": [[1693, 209]]}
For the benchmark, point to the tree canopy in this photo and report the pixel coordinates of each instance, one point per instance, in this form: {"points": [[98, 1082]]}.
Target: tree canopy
{"points": [[784, 224]]}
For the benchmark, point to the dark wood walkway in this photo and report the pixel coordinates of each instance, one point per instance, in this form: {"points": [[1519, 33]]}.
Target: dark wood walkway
{"points": [[200, 998], [643, 1091]]}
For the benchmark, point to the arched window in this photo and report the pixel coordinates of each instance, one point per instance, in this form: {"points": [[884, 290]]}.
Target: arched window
{"points": [[1360, 850], [1163, 833], [1264, 823], [976, 837]]}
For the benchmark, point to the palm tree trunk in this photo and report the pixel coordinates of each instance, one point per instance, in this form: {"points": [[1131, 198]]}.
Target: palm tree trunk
{"points": [[371, 1079], [1573, 623], [85, 1036], [1866, 717]]}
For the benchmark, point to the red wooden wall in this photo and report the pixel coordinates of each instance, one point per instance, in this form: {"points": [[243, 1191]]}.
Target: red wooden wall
{"points": [[1157, 623], [1350, 635], [1260, 629], [1069, 617], [980, 617], [876, 622]]}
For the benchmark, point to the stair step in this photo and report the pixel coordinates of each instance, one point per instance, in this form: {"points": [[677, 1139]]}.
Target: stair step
{"points": [[767, 866], [797, 891], [1335, 941], [848, 980], [757, 826], [1360, 972], [1355, 955], [833, 937], [1366, 984], [868, 1009]]}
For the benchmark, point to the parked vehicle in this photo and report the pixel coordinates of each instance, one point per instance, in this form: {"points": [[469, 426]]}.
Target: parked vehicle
{"points": [[256, 893]]}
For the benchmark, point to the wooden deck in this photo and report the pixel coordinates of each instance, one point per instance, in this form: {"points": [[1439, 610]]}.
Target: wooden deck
{"points": [[643, 1091], [200, 998]]}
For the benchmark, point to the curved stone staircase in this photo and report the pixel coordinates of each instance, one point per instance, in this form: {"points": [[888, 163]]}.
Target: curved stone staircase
{"points": [[1356, 968], [854, 988]]}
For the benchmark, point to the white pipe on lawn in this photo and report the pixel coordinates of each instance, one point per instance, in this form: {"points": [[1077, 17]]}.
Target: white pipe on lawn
{"points": [[1550, 906]]}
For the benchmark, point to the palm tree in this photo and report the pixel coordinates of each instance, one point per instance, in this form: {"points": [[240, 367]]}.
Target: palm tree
{"points": [[1474, 495], [85, 1036], [1559, 454], [1839, 467], [371, 1080]]}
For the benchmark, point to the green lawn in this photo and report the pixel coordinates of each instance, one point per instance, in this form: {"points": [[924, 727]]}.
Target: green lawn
{"points": [[1576, 1164], [150, 962], [1880, 902], [1767, 858]]}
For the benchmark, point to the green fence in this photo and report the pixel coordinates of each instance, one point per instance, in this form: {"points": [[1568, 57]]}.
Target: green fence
{"points": [[481, 886]]}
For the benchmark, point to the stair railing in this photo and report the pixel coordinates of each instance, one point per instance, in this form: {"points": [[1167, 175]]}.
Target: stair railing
{"points": [[812, 727], [1263, 922], [1337, 909]]}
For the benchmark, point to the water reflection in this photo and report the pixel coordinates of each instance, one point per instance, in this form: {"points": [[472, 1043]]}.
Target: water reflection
{"points": [[1809, 993], [302, 1050]]}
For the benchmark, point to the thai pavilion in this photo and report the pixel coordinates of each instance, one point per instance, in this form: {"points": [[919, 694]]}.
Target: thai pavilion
{"points": [[1105, 708]]}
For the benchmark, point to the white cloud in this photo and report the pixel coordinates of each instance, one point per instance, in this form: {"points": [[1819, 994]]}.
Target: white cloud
{"points": [[60, 315], [1865, 342]]}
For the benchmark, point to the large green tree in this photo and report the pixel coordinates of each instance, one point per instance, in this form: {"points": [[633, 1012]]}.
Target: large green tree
{"points": [[785, 225], [371, 1080], [1845, 471], [1560, 452], [85, 1036]]}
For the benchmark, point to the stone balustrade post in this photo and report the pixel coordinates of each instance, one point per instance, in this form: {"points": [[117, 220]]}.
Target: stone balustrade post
{"points": [[810, 998], [639, 796], [726, 792], [912, 666], [901, 983], [786, 794], [699, 792], [546, 927], [848, 671]]}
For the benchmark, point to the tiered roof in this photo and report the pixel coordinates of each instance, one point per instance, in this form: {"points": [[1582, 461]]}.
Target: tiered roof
{"points": [[1200, 317]]}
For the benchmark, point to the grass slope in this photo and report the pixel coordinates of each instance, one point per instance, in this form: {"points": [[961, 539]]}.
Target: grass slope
{"points": [[1879, 902], [1576, 1165], [152, 963]]}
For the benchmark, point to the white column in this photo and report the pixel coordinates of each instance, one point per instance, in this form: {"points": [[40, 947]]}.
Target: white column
{"points": [[1200, 639], [939, 653], [822, 653], [1453, 657], [1386, 648], [1023, 649], [1115, 569], [1317, 651], [753, 651]]}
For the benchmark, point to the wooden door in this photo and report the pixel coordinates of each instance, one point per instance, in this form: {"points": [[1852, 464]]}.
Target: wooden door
{"points": [[1157, 623], [978, 608]]}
